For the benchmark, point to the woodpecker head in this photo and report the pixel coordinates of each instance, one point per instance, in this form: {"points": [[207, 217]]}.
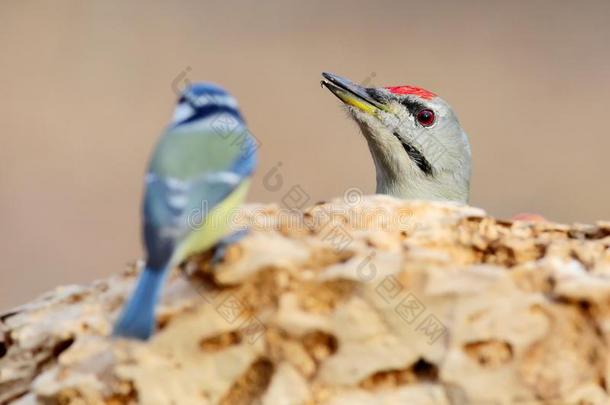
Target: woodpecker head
{"points": [[418, 146]]}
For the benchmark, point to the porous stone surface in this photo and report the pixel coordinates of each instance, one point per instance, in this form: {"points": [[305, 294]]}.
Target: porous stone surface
{"points": [[367, 301]]}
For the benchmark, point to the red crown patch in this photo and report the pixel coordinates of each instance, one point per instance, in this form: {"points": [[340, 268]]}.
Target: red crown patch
{"points": [[412, 90]]}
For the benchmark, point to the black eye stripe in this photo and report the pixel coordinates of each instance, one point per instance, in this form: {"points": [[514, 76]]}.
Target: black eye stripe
{"points": [[413, 106], [416, 156], [184, 99]]}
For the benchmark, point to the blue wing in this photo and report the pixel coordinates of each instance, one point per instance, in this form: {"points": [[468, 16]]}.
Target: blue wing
{"points": [[173, 208]]}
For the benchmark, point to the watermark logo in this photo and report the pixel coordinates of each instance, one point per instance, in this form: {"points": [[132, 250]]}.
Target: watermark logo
{"points": [[352, 196], [296, 198], [338, 237], [388, 288], [196, 217], [410, 308], [432, 328], [366, 270], [225, 125], [231, 308], [181, 82]]}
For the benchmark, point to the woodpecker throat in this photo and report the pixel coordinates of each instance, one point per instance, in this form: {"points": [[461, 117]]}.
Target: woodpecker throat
{"points": [[418, 146]]}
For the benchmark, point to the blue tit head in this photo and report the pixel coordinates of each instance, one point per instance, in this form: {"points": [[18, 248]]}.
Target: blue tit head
{"points": [[200, 101]]}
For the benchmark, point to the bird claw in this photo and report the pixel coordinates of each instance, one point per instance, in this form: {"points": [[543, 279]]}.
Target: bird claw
{"points": [[220, 250]]}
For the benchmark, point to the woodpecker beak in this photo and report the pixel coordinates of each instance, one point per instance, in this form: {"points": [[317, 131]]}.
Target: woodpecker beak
{"points": [[351, 93]]}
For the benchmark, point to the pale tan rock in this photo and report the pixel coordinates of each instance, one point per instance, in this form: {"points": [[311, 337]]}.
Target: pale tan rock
{"points": [[367, 301]]}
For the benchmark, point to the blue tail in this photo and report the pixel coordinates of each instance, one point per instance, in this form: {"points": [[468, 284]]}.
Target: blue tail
{"points": [[138, 317]]}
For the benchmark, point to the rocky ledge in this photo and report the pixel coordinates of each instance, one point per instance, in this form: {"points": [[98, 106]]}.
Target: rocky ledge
{"points": [[373, 301]]}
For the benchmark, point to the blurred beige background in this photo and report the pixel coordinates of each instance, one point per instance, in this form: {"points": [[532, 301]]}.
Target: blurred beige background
{"points": [[86, 89]]}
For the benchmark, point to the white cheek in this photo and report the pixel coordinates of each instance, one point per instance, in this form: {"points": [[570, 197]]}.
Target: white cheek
{"points": [[182, 112], [398, 123]]}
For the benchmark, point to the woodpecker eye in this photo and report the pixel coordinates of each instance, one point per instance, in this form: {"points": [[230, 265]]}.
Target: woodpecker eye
{"points": [[425, 117]]}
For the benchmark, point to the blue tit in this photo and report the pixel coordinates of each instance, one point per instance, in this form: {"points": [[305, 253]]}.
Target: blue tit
{"points": [[198, 176]]}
